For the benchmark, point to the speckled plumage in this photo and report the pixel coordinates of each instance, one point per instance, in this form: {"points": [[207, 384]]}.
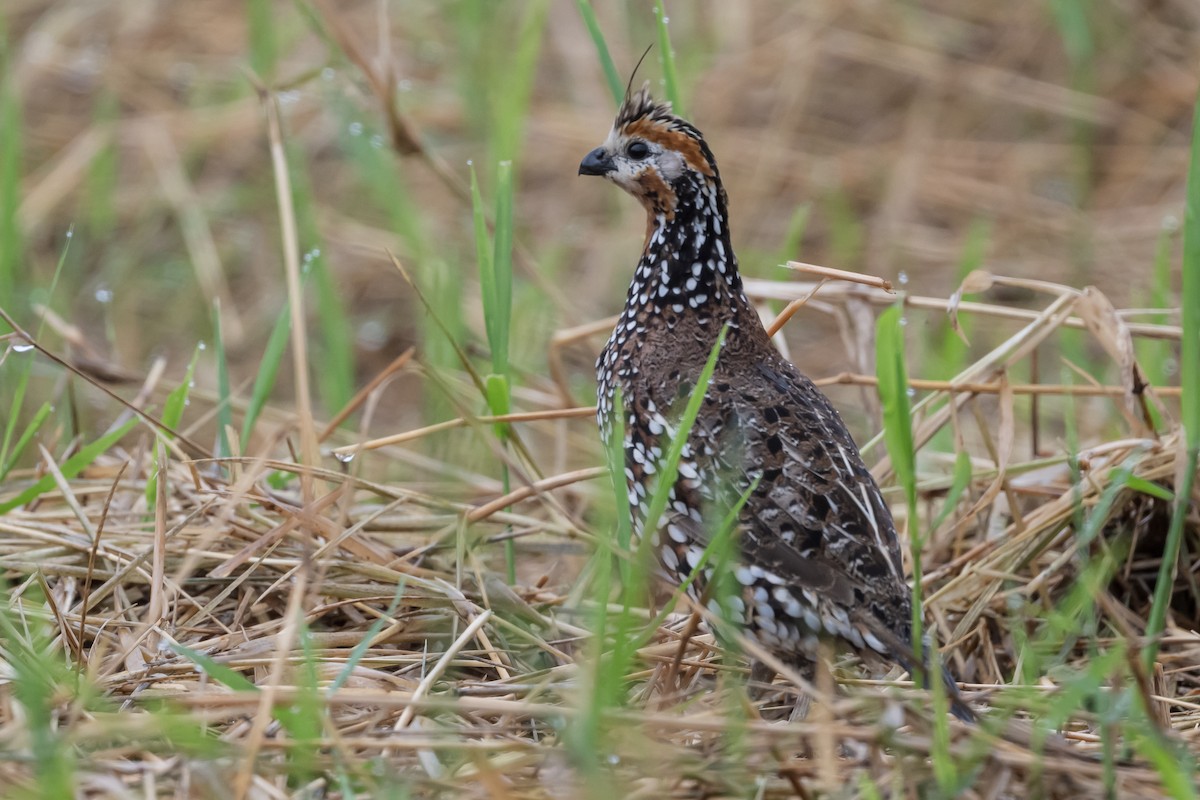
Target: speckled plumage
{"points": [[818, 555]]}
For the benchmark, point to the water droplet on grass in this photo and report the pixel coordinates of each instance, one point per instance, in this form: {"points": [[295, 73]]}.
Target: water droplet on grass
{"points": [[892, 717], [372, 335], [344, 458]]}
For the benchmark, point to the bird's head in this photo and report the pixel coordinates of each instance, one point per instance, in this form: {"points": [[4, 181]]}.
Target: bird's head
{"points": [[656, 156]]}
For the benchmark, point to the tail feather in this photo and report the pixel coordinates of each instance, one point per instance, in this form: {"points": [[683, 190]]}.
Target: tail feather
{"points": [[958, 706]]}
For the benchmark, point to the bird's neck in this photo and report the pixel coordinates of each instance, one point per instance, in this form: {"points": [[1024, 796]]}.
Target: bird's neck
{"points": [[688, 262]]}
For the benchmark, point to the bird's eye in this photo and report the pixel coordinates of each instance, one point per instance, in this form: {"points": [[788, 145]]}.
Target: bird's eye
{"points": [[637, 150]]}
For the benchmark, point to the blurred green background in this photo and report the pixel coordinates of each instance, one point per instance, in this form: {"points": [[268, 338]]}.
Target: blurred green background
{"points": [[1037, 138]]}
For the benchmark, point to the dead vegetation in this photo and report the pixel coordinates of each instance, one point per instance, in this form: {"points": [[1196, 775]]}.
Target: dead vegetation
{"points": [[466, 681], [327, 613]]}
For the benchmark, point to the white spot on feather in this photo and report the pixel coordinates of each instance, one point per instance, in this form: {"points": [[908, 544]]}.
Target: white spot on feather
{"points": [[669, 558]]}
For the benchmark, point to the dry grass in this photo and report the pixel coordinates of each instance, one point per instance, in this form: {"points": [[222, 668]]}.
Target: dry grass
{"points": [[466, 682], [326, 613]]}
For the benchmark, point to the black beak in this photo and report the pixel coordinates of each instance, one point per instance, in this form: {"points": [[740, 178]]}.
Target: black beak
{"points": [[596, 162]]}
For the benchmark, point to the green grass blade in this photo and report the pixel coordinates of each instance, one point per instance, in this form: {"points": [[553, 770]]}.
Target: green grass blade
{"points": [[1176, 767], [666, 57], [171, 415], [268, 369], [387, 189], [303, 718], [1074, 25], [26, 370], [499, 315], [102, 173], [511, 101], [582, 736], [615, 458], [1074, 19], [224, 398], [631, 633], [611, 668], [1190, 401], [334, 347], [847, 233], [611, 76], [1154, 354], [27, 435], [226, 676], [962, 479], [495, 285], [1075, 693], [667, 475], [10, 182], [952, 350], [364, 644], [1160, 286], [892, 373], [1149, 487], [36, 679], [71, 467], [797, 225], [264, 45], [668, 471], [1190, 349], [178, 398], [14, 409], [720, 550], [498, 393], [337, 359], [483, 250]]}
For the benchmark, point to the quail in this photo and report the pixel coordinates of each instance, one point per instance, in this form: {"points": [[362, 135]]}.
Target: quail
{"points": [[817, 556]]}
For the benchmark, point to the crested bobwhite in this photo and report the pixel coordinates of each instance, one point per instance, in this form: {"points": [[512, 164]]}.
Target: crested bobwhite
{"points": [[818, 555]]}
